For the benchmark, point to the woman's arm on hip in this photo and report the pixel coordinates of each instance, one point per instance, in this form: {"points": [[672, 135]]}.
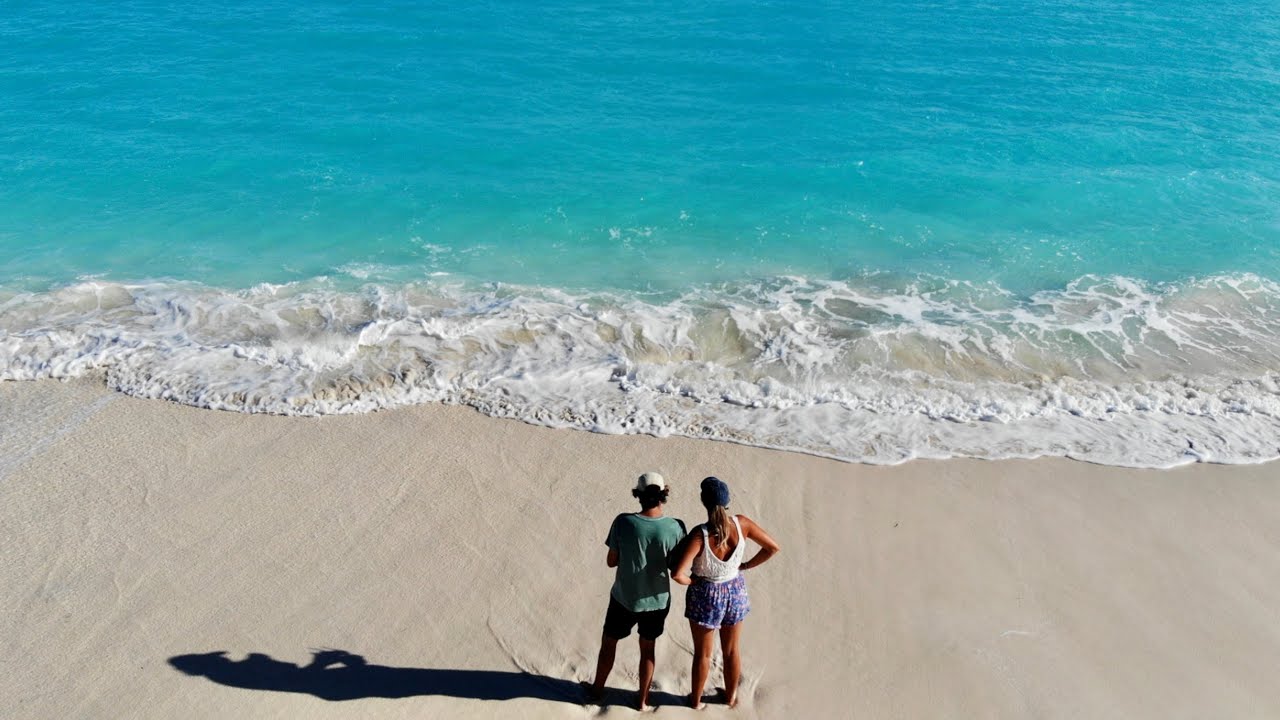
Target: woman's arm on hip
{"points": [[768, 546]]}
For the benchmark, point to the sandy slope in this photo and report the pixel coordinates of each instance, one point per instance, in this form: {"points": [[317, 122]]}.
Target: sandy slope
{"points": [[462, 558]]}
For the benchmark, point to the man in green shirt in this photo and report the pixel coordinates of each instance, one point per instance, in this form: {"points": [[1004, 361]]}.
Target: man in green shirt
{"points": [[638, 547]]}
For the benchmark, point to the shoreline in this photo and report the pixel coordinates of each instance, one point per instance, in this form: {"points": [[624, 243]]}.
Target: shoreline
{"points": [[461, 556], [1113, 371]]}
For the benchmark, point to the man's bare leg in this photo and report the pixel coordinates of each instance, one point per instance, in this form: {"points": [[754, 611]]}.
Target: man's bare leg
{"points": [[604, 666], [646, 670]]}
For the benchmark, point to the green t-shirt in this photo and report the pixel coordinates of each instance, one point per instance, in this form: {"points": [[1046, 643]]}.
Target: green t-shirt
{"points": [[642, 582]]}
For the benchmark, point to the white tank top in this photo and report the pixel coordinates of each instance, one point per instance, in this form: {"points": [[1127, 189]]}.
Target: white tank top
{"points": [[708, 567]]}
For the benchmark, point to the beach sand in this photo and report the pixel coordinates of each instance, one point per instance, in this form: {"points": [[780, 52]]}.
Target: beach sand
{"points": [[462, 558]]}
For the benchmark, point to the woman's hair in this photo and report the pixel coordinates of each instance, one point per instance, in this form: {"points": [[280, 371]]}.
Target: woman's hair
{"points": [[715, 498], [718, 522], [651, 496]]}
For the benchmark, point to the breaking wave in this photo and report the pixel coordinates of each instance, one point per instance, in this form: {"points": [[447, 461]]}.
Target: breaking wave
{"points": [[876, 369]]}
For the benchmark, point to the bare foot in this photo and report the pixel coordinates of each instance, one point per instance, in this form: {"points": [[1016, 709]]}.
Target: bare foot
{"points": [[592, 693], [722, 695], [695, 702]]}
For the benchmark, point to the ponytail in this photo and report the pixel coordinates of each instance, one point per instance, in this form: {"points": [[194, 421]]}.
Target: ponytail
{"points": [[715, 498], [718, 521]]}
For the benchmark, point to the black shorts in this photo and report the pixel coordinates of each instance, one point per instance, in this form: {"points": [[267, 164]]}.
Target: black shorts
{"points": [[618, 621]]}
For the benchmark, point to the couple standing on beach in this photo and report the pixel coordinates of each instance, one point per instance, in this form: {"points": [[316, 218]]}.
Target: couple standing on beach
{"points": [[649, 549]]}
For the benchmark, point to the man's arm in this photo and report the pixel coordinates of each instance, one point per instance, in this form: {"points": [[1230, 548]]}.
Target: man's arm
{"points": [[612, 558]]}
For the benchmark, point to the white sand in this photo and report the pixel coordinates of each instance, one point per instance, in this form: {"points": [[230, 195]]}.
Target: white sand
{"points": [[455, 552]]}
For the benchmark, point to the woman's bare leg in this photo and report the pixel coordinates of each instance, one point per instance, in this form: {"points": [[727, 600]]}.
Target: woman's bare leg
{"points": [[702, 645], [729, 635]]}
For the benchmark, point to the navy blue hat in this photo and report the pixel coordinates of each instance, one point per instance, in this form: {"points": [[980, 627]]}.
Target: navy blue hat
{"points": [[715, 492]]}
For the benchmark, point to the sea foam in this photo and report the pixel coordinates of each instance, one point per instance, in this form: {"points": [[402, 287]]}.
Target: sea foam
{"points": [[877, 369]]}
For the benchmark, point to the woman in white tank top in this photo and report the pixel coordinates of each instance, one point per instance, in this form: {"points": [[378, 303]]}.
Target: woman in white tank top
{"points": [[717, 599]]}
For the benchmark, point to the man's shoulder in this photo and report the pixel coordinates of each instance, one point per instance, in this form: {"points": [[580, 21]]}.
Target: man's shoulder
{"points": [[675, 527], [648, 525], [668, 521], [621, 520]]}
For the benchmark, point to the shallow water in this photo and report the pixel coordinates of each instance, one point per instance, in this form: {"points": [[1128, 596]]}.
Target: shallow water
{"points": [[913, 230]]}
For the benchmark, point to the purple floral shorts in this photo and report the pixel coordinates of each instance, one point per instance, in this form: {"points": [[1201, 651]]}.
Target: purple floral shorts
{"points": [[713, 605]]}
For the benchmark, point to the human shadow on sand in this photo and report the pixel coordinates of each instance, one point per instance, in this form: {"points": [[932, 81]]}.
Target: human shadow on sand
{"points": [[340, 675]]}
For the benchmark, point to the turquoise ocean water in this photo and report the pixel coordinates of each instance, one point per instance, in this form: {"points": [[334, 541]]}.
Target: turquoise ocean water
{"points": [[873, 231]]}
